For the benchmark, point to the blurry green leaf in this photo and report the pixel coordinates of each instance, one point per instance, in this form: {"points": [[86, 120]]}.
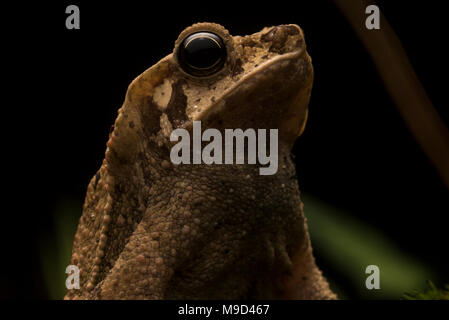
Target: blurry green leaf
{"points": [[432, 293], [56, 248], [350, 246]]}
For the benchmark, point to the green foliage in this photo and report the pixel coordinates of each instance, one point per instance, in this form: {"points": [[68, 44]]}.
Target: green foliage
{"points": [[56, 248], [431, 293], [349, 246]]}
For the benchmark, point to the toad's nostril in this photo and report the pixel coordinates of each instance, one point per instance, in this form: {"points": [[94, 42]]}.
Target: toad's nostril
{"points": [[270, 35]]}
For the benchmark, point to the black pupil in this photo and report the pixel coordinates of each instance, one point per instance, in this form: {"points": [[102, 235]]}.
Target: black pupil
{"points": [[202, 53]]}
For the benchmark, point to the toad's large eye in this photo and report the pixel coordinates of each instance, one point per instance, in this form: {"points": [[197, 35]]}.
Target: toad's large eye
{"points": [[202, 54]]}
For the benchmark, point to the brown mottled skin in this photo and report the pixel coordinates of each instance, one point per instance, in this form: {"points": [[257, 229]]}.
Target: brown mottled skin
{"points": [[154, 230]]}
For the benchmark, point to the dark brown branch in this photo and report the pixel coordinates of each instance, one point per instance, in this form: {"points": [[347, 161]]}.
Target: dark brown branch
{"points": [[402, 84]]}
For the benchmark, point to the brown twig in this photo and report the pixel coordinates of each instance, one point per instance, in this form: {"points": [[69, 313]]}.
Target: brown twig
{"points": [[402, 84]]}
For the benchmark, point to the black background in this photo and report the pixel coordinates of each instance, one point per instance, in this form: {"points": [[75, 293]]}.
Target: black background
{"points": [[356, 152]]}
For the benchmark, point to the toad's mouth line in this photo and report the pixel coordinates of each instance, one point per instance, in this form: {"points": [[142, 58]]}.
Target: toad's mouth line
{"points": [[219, 104]]}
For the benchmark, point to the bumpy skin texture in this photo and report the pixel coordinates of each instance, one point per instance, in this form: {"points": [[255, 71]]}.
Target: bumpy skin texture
{"points": [[154, 230]]}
